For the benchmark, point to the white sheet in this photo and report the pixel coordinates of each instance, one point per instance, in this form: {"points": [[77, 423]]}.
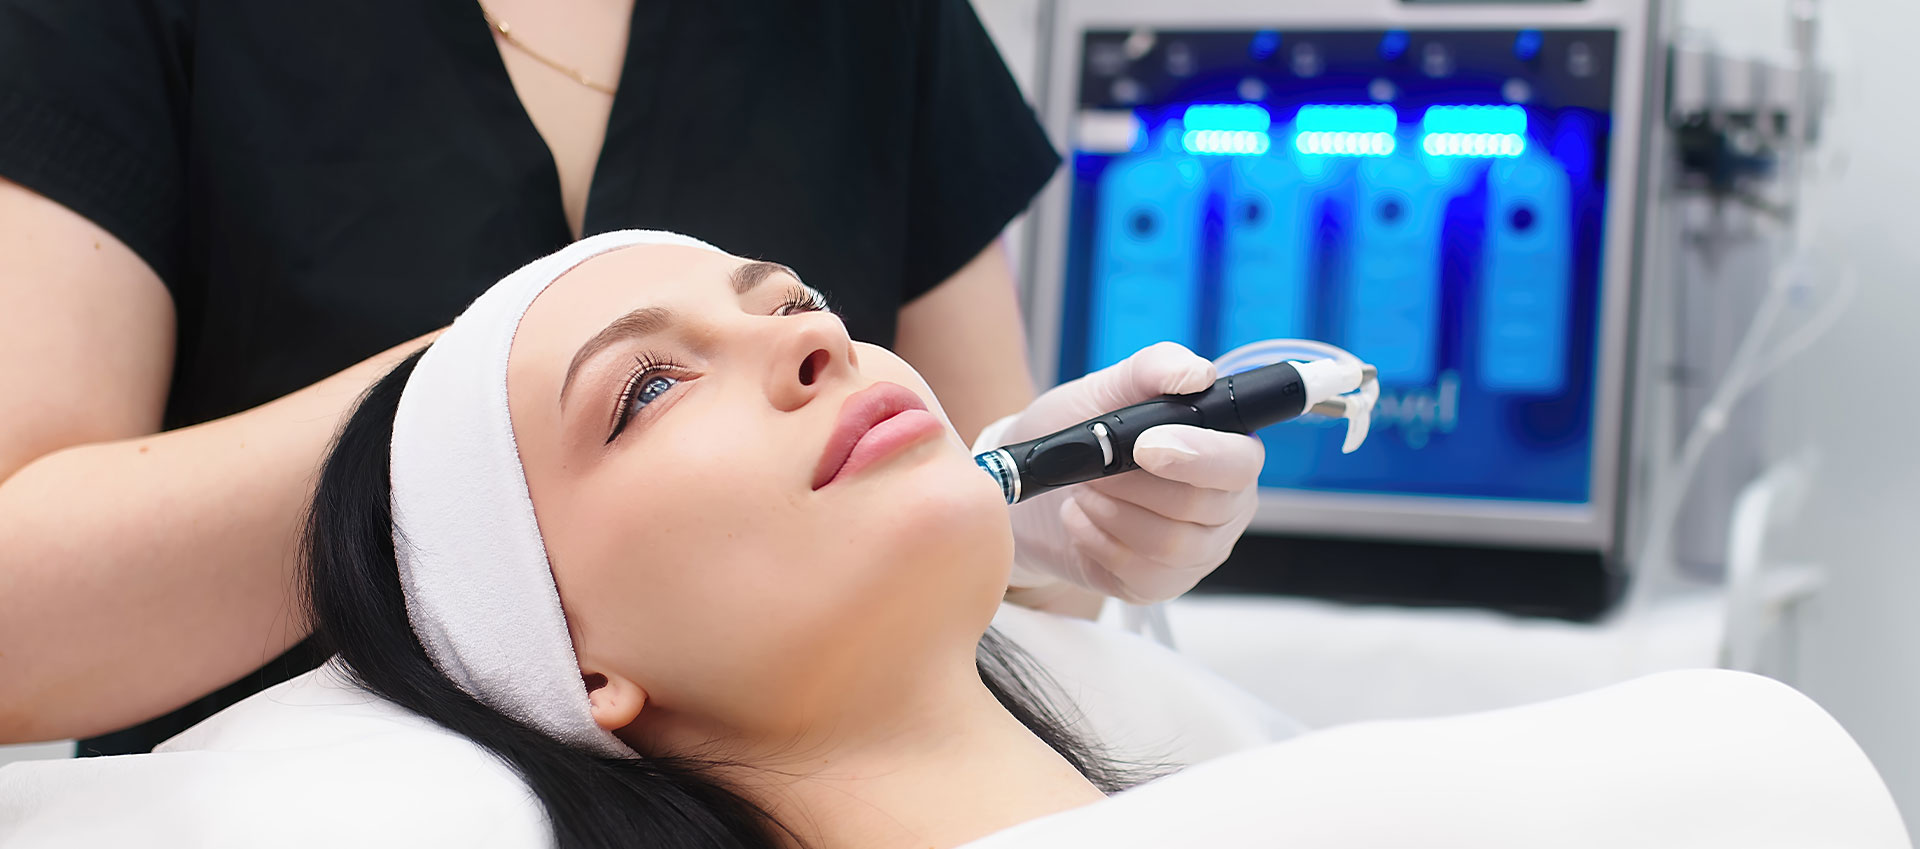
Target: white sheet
{"points": [[1329, 664], [1687, 759], [1701, 758]]}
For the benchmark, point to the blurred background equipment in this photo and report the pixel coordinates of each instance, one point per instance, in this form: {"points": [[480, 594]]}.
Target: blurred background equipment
{"points": [[1575, 238], [1565, 234], [1450, 191]]}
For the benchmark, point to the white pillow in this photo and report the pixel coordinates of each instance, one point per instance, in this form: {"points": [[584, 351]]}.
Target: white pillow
{"points": [[312, 762], [316, 761], [1697, 759]]}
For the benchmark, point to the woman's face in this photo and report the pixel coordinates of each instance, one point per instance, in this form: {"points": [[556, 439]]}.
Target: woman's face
{"points": [[729, 528]]}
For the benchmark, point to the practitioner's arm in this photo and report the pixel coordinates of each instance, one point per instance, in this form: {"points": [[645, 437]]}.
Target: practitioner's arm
{"points": [[138, 570]]}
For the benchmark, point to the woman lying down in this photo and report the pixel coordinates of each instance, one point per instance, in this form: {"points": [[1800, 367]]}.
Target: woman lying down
{"points": [[718, 611], [638, 534]]}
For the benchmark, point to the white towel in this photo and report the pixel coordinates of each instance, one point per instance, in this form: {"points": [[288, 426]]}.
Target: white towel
{"points": [[479, 589]]}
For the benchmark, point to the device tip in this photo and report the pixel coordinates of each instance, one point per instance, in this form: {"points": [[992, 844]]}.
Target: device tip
{"points": [[999, 464], [1326, 379]]}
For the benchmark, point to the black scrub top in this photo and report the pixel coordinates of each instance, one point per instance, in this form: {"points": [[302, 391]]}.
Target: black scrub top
{"points": [[317, 182]]}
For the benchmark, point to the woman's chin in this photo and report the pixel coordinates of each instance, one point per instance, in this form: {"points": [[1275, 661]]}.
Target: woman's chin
{"points": [[945, 516], [950, 495]]}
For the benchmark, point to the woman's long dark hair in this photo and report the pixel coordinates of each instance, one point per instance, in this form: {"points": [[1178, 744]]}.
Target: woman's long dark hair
{"points": [[353, 588]]}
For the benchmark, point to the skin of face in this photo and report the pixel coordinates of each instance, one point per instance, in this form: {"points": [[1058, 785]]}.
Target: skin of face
{"points": [[713, 595]]}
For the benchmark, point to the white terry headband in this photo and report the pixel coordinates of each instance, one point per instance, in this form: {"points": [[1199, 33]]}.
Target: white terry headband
{"points": [[479, 589]]}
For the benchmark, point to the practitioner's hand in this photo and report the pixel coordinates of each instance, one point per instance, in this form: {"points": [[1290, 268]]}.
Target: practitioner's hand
{"points": [[1147, 535]]}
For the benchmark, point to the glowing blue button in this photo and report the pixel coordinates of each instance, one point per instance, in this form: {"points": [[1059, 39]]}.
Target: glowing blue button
{"points": [[1393, 45], [1226, 142], [1476, 131], [1329, 130], [1265, 43], [1242, 117], [1475, 119], [1526, 45], [1473, 144], [1344, 144], [1371, 118]]}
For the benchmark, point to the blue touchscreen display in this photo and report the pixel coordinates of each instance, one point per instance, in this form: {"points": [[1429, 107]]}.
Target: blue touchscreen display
{"points": [[1432, 201]]}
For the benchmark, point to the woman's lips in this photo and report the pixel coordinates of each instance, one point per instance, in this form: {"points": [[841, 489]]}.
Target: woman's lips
{"points": [[874, 423]]}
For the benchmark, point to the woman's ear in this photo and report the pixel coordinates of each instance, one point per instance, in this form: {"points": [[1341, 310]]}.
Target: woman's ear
{"points": [[616, 700]]}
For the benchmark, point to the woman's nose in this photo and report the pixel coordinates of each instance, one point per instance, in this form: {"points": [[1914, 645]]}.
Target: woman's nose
{"points": [[812, 354]]}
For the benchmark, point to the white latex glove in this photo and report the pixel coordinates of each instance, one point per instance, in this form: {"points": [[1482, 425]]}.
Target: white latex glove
{"points": [[1147, 535]]}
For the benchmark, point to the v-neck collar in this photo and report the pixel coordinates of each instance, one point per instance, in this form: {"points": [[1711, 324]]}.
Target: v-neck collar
{"points": [[635, 99], [636, 104]]}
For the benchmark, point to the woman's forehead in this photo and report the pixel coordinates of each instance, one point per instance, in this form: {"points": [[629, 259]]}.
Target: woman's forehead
{"points": [[584, 301], [620, 277], [594, 293]]}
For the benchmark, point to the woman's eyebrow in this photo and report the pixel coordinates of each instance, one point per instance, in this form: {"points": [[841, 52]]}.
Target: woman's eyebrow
{"points": [[748, 276], [644, 321]]}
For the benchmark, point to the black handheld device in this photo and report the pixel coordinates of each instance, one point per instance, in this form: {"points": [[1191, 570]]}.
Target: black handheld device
{"points": [[1103, 446]]}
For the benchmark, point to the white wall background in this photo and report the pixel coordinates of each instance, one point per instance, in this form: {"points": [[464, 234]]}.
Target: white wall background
{"points": [[1852, 396]]}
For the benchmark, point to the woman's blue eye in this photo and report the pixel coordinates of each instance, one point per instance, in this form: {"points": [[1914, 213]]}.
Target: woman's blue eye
{"points": [[645, 385], [652, 389]]}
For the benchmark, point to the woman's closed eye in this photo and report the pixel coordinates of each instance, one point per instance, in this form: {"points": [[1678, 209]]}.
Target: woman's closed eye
{"points": [[654, 375]]}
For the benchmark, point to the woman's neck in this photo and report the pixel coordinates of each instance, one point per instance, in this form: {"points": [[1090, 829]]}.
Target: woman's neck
{"points": [[952, 767]]}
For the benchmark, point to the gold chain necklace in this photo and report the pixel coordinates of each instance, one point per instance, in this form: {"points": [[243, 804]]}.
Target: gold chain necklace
{"points": [[506, 33]]}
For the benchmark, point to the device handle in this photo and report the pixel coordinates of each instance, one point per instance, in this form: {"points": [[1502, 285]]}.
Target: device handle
{"points": [[1103, 445]]}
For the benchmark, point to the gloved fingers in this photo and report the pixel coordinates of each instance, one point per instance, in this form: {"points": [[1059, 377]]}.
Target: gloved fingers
{"points": [[1163, 368], [1166, 368], [1174, 500], [1152, 371], [1154, 538], [1117, 570], [1210, 459]]}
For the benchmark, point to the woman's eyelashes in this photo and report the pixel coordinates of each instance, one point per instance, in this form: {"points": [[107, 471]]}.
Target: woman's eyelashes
{"points": [[653, 375], [803, 299]]}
